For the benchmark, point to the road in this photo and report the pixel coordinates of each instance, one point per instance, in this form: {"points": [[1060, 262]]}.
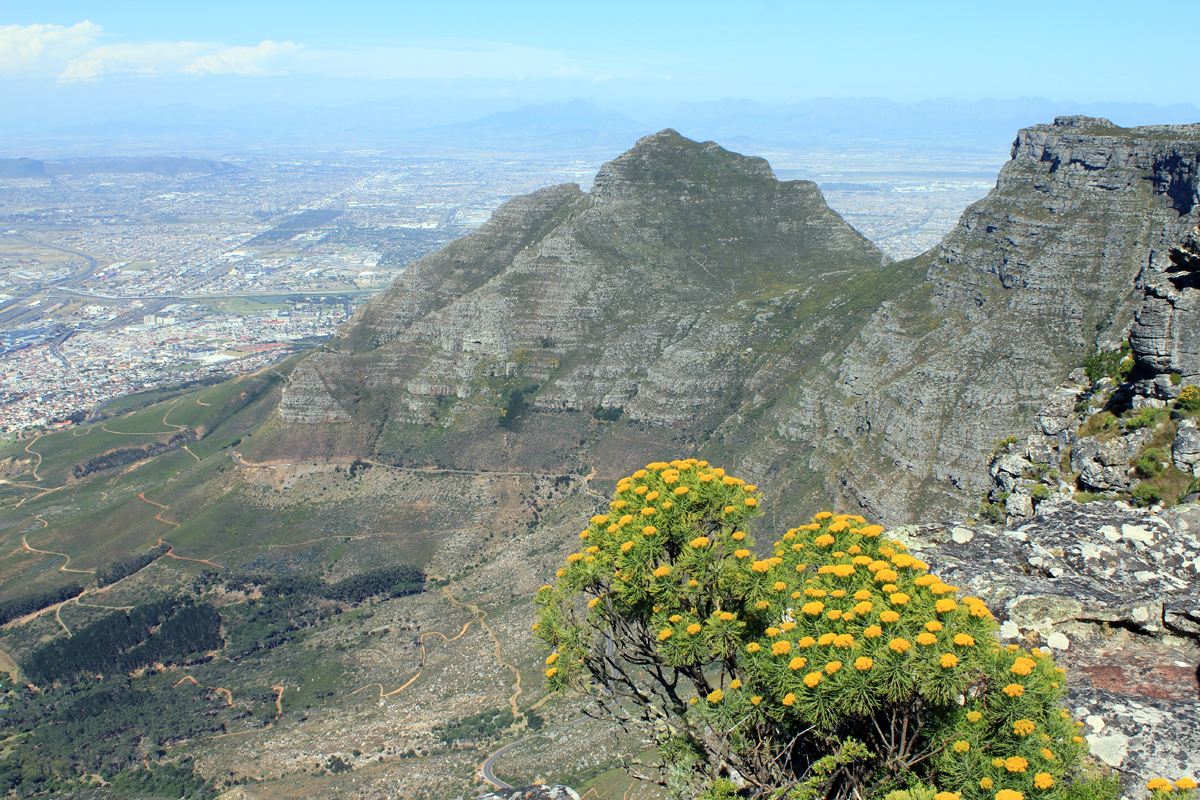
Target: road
{"points": [[486, 770]]}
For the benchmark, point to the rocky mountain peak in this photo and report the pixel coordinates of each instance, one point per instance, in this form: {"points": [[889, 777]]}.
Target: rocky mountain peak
{"points": [[669, 167], [691, 296]]}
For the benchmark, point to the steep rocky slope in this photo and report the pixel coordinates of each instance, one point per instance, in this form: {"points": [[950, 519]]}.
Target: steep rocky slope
{"points": [[689, 286], [706, 306], [1052, 260]]}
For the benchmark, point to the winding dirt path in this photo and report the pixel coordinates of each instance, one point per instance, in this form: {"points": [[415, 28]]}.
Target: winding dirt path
{"points": [[512, 701], [58, 616], [32, 453], [168, 411], [480, 617], [63, 568], [108, 608], [158, 516], [279, 700], [104, 427]]}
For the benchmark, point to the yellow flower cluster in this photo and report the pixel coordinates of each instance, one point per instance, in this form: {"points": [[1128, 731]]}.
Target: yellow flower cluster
{"points": [[818, 630], [1162, 785]]}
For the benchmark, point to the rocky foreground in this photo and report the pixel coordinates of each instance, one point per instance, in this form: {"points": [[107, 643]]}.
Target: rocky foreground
{"points": [[1114, 593]]}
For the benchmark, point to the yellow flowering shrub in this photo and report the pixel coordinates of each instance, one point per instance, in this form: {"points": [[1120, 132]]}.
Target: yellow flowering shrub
{"points": [[692, 612]]}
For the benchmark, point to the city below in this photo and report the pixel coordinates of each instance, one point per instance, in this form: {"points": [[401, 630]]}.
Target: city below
{"points": [[121, 276]]}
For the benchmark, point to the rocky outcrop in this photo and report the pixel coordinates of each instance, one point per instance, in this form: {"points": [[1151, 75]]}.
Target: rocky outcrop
{"points": [[1185, 449], [1166, 333], [1011, 300], [1114, 594]]}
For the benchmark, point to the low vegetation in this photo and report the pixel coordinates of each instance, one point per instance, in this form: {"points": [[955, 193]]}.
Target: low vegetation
{"points": [[837, 667], [21, 606]]}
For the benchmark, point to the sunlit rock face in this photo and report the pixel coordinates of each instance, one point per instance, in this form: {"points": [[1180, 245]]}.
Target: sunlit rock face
{"points": [[710, 309]]}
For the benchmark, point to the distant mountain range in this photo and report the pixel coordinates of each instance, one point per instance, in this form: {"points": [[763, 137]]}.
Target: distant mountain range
{"points": [[158, 165], [445, 124]]}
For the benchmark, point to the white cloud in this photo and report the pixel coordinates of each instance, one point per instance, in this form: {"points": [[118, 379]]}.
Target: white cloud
{"points": [[150, 58], [262, 59], [79, 53], [83, 52], [35, 50]]}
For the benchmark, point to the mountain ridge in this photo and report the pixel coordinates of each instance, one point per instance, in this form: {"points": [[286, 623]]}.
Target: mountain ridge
{"points": [[898, 420]]}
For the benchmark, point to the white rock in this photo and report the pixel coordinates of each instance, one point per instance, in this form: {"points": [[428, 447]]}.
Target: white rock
{"points": [[1057, 641], [1095, 722], [1109, 749], [1009, 630], [961, 535], [1137, 533]]}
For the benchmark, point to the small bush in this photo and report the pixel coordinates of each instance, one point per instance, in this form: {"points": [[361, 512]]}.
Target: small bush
{"points": [[836, 667], [1146, 418], [1150, 463], [1189, 399], [1115, 364], [1002, 446], [993, 513], [1040, 492], [1145, 495]]}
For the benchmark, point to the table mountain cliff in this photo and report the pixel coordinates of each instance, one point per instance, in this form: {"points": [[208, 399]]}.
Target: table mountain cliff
{"points": [[692, 302]]}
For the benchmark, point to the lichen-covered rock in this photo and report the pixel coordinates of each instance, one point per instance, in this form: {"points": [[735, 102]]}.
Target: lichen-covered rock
{"points": [[1145, 737], [1185, 450], [1018, 505], [1115, 593]]}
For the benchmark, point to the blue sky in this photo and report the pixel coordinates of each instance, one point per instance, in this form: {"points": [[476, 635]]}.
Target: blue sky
{"points": [[223, 53]]}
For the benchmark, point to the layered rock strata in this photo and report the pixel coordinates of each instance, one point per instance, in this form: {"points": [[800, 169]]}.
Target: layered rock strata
{"points": [[1082, 216], [686, 289]]}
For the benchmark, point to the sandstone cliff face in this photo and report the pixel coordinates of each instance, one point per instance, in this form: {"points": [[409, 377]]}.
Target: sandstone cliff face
{"points": [[1166, 333], [722, 312], [1081, 217]]}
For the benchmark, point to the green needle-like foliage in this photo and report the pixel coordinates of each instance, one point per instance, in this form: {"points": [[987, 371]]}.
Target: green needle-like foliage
{"points": [[838, 666]]}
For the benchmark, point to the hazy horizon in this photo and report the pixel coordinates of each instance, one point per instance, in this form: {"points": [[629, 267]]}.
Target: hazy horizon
{"points": [[78, 66]]}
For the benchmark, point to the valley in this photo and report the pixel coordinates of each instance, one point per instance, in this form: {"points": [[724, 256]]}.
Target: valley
{"points": [[314, 579]]}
